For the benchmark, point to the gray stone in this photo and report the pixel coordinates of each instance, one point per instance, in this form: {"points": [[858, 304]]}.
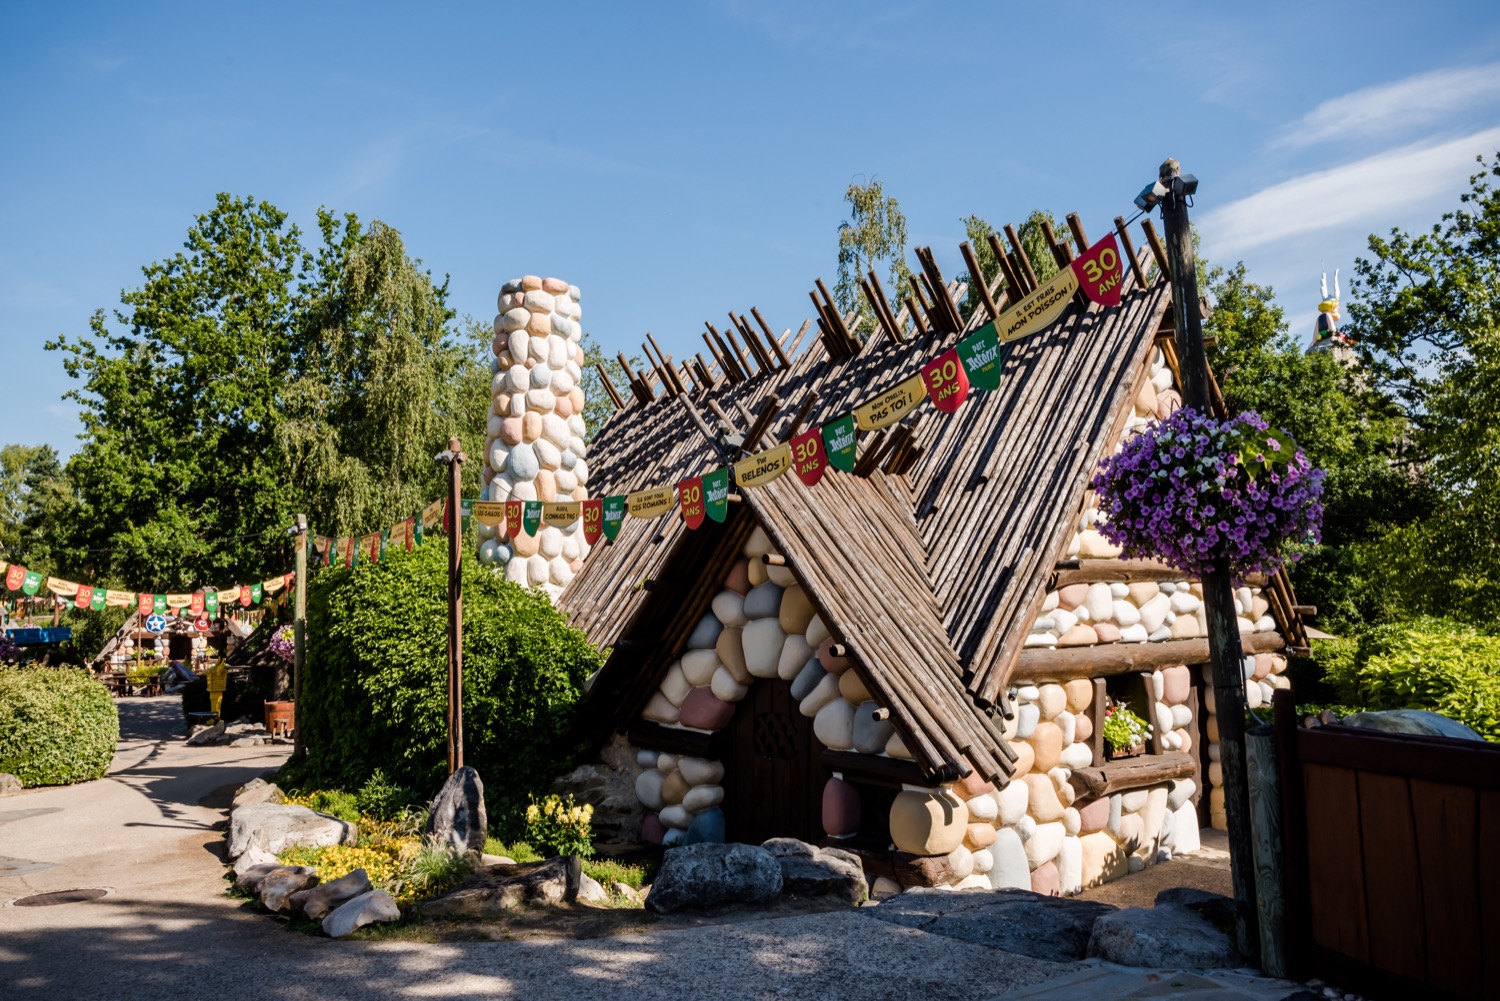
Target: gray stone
{"points": [[1418, 721], [608, 785], [870, 734], [493, 890], [275, 827], [367, 908], [257, 791], [9, 784], [1020, 921], [207, 735], [808, 871], [705, 633], [276, 887], [253, 858], [624, 890], [707, 827], [590, 890], [251, 878], [1218, 909], [456, 818], [320, 900], [1166, 936], [807, 679], [524, 464], [763, 602], [706, 875]]}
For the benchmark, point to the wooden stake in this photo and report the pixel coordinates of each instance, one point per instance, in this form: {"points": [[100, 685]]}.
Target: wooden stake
{"points": [[770, 337], [978, 281], [1023, 262], [609, 387], [1157, 250], [1075, 226], [1135, 265]]}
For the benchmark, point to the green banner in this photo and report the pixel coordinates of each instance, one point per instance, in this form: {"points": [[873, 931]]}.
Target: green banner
{"points": [[531, 517], [840, 442], [716, 494], [33, 582], [211, 603], [97, 601], [466, 510], [255, 594], [159, 604], [982, 358], [614, 515]]}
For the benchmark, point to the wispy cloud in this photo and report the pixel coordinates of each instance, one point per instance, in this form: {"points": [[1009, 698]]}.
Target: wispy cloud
{"points": [[1388, 109], [1366, 190]]}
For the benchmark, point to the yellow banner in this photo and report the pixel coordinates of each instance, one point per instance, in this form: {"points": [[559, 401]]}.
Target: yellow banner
{"points": [[1039, 308], [432, 514], [273, 585], [651, 503], [119, 599], [61, 588], [891, 405], [179, 600], [229, 596], [561, 514], [490, 513], [763, 467]]}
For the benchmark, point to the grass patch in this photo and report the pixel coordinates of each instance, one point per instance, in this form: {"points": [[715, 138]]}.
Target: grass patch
{"points": [[517, 851], [608, 872]]}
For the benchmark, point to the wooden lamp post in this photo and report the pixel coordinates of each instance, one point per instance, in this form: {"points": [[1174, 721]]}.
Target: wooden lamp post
{"points": [[453, 458]]}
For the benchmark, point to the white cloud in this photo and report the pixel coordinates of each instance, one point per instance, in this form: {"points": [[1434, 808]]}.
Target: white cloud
{"points": [[1389, 108], [1367, 191]]}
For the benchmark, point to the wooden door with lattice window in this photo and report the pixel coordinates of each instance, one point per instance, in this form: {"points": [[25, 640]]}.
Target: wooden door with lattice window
{"points": [[773, 774]]}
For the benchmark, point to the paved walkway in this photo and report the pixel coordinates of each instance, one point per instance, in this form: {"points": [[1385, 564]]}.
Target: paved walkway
{"points": [[165, 929]]}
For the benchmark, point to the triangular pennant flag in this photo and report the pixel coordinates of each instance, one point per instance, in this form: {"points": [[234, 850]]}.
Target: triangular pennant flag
{"points": [[561, 514], [841, 443], [763, 467], [255, 594], [345, 552], [531, 516], [691, 494], [31, 583], [1101, 272], [195, 605], [1038, 308], [432, 513], [145, 604], [417, 531], [62, 588], [651, 503], [118, 599], [176, 601], [593, 520], [371, 547], [159, 604], [211, 603], [716, 494], [99, 600], [15, 577], [85, 597], [891, 405], [614, 515], [489, 513], [245, 595], [514, 513], [980, 354], [947, 383], [809, 458], [409, 524], [466, 511]]}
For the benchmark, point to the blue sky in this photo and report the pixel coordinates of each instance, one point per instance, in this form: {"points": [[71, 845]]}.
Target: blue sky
{"points": [[679, 160]]}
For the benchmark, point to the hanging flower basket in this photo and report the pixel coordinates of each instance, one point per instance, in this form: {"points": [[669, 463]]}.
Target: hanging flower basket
{"points": [[1191, 490], [283, 644]]}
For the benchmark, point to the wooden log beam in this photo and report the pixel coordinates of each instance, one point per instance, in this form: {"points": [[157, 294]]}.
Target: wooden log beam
{"points": [[977, 280], [1023, 262], [1135, 265], [1015, 289], [762, 422], [771, 338], [1075, 226], [1067, 663], [609, 387], [671, 740], [1124, 571], [874, 769], [1130, 773], [1158, 250], [893, 322]]}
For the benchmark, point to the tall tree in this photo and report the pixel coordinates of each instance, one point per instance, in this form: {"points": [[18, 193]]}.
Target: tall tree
{"points": [[978, 230], [36, 500], [874, 236], [1033, 234]]}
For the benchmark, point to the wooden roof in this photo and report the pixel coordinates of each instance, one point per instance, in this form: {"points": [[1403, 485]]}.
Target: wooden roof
{"points": [[926, 562]]}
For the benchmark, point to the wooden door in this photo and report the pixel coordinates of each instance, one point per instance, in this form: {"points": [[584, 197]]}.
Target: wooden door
{"points": [[773, 773]]}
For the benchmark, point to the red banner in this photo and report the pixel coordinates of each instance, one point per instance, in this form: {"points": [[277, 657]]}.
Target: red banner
{"points": [[196, 605], [690, 492], [245, 593], [15, 577], [146, 603], [809, 458], [947, 382], [1100, 272], [593, 520], [85, 596], [515, 512]]}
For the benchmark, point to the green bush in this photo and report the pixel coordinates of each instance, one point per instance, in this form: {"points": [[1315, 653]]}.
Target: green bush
{"points": [[381, 798], [57, 726], [1436, 664], [374, 695]]}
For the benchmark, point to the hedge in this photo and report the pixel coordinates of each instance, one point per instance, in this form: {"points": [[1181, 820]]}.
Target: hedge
{"points": [[374, 695], [1437, 664], [57, 726]]}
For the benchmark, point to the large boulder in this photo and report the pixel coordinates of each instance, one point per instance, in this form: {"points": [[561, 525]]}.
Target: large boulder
{"points": [[320, 900], [275, 827], [253, 876], [257, 791], [493, 890], [367, 908], [275, 888], [808, 871], [456, 818], [1053, 928], [1417, 721], [706, 875], [1169, 935]]}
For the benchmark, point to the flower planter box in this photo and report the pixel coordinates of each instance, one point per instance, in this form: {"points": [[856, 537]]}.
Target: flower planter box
{"points": [[1128, 752], [281, 717]]}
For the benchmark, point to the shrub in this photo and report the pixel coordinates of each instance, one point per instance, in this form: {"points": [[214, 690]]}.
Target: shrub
{"points": [[561, 828], [381, 798], [334, 802], [375, 691], [1436, 664], [56, 726]]}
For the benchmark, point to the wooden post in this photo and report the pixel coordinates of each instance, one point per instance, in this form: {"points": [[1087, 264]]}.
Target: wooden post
{"points": [[1218, 595], [1265, 814], [299, 629], [455, 612]]}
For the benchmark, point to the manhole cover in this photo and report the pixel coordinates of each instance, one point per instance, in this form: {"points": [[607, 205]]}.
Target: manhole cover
{"points": [[60, 897]]}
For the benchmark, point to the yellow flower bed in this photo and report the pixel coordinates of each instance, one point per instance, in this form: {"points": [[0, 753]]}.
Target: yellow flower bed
{"points": [[382, 864]]}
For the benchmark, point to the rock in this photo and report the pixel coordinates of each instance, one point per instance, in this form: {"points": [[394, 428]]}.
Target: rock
{"points": [[1083, 727], [763, 640], [796, 610], [869, 734], [674, 684], [1168, 935], [10, 785], [825, 692], [1102, 859], [1012, 920], [456, 818], [928, 823], [706, 828], [1046, 743], [1072, 596], [1046, 880], [492, 891], [1134, 634], [589, 889], [701, 771], [207, 735], [763, 602], [275, 827], [1070, 865], [1219, 910], [700, 798], [1177, 684], [1012, 800], [318, 902], [1025, 756], [1094, 546], [624, 890], [832, 663], [1418, 721], [851, 685], [1107, 632], [660, 710], [698, 667], [367, 908], [896, 747], [1043, 845], [1027, 717], [978, 836], [807, 679], [731, 653], [738, 577], [1185, 833], [817, 632], [248, 877], [706, 633], [274, 889], [1093, 816], [1076, 755], [703, 710], [807, 871], [705, 875], [841, 808], [254, 791], [794, 653], [1044, 803], [1099, 602], [1051, 700], [1011, 869], [1080, 635], [729, 608]]}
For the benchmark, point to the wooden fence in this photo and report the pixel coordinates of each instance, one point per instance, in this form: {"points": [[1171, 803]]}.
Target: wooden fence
{"points": [[1392, 854]]}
